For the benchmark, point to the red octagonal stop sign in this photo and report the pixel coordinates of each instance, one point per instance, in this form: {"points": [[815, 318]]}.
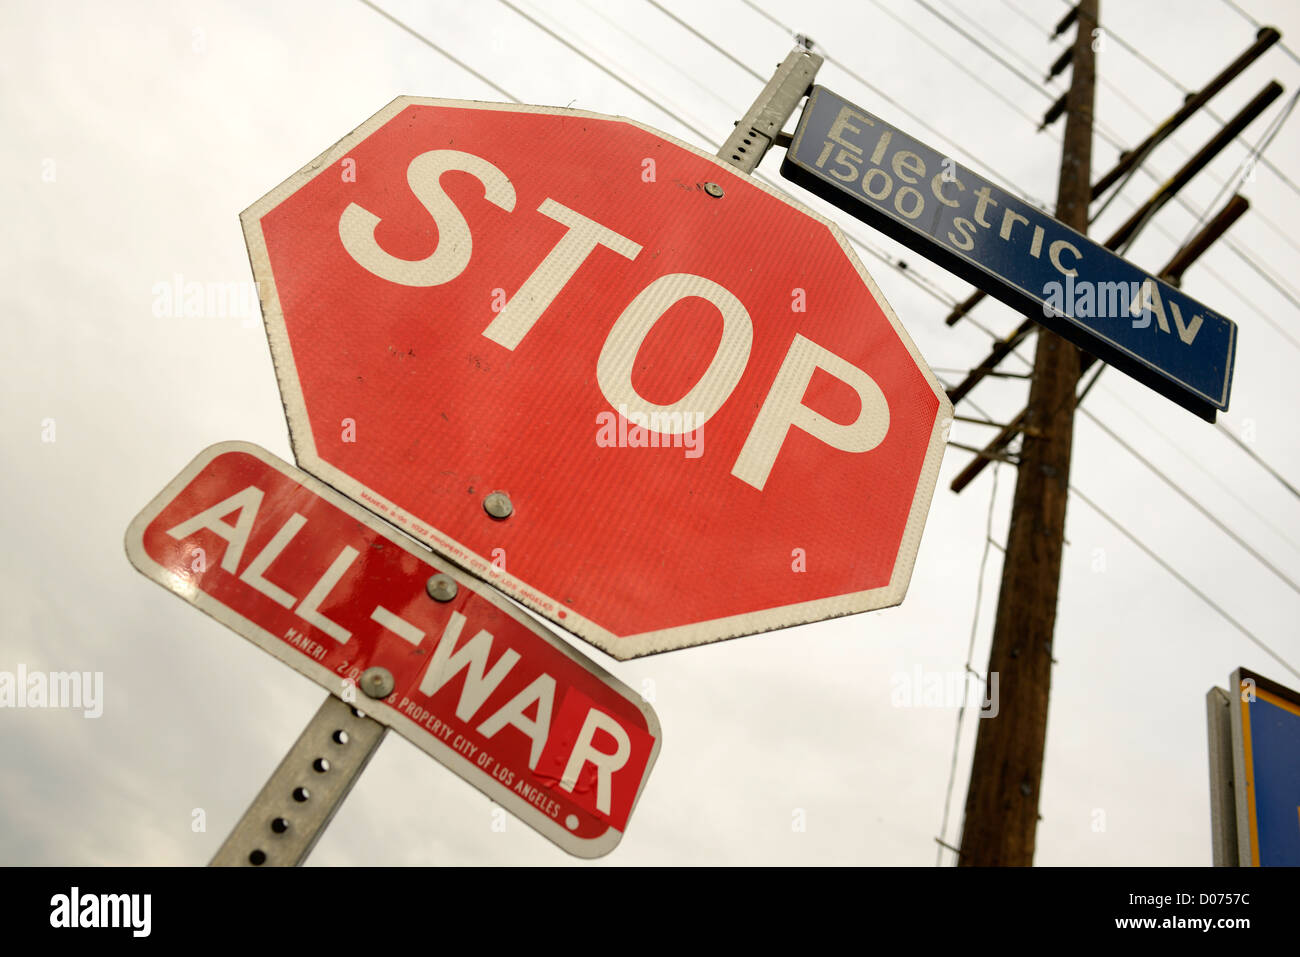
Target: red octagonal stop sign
{"points": [[703, 416]]}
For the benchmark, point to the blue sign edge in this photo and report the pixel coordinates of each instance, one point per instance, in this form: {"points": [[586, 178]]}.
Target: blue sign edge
{"points": [[1247, 719], [1022, 300]]}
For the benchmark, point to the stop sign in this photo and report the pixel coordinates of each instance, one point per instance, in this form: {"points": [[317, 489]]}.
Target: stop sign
{"points": [[640, 392]]}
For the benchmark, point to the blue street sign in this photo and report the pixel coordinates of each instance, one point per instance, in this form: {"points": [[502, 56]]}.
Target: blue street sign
{"points": [[1266, 772], [1013, 251]]}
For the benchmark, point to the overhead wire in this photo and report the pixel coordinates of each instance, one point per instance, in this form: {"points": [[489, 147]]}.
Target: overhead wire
{"points": [[969, 667], [1151, 553], [1177, 85], [433, 46], [1247, 255], [1265, 139], [957, 150], [1237, 441], [1189, 498], [1002, 97], [1256, 24], [1268, 522], [1252, 260], [1011, 51]]}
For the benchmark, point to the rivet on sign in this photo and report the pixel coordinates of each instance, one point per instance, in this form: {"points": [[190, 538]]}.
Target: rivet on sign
{"points": [[497, 504], [714, 190], [377, 682], [441, 587]]}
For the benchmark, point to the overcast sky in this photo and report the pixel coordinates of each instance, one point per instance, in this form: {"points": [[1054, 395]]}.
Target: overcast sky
{"points": [[137, 132]]}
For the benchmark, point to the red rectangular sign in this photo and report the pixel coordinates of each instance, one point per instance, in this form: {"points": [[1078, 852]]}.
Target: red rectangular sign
{"points": [[331, 591]]}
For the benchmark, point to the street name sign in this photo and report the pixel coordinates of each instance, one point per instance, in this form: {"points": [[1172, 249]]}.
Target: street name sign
{"points": [[1015, 252], [332, 591], [635, 389], [1265, 721]]}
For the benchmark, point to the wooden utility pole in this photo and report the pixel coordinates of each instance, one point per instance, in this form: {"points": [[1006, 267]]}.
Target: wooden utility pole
{"points": [[1002, 800]]}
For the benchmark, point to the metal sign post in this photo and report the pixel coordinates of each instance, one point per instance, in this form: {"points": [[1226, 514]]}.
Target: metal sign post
{"points": [[758, 130], [288, 816], [1223, 805]]}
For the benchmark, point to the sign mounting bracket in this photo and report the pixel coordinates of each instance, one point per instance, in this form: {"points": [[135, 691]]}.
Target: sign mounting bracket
{"points": [[760, 127]]}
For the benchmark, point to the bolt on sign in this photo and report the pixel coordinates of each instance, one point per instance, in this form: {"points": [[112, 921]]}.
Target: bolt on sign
{"points": [[332, 591], [638, 391]]}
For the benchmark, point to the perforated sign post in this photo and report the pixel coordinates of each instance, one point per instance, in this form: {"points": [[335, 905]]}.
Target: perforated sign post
{"points": [[636, 389], [396, 633]]}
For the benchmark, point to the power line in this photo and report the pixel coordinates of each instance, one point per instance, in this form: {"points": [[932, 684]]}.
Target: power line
{"points": [[1247, 255], [1268, 522], [1115, 88], [1250, 635], [1031, 20], [1273, 129], [433, 46], [1015, 107], [958, 150], [670, 64], [935, 13], [1185, 90], [993, 38], [1259, 461], [606, 70], [970, 670], [1250, 550], [686, 26], [1256, 24], [1102, 130], [1252, 261]]}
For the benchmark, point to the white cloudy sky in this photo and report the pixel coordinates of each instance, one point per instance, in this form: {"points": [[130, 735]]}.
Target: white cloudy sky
{"points": [[135, 134]]}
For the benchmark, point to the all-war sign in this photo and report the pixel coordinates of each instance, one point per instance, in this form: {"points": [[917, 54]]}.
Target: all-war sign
{"points": [[1098, 300], [326, 588]]}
